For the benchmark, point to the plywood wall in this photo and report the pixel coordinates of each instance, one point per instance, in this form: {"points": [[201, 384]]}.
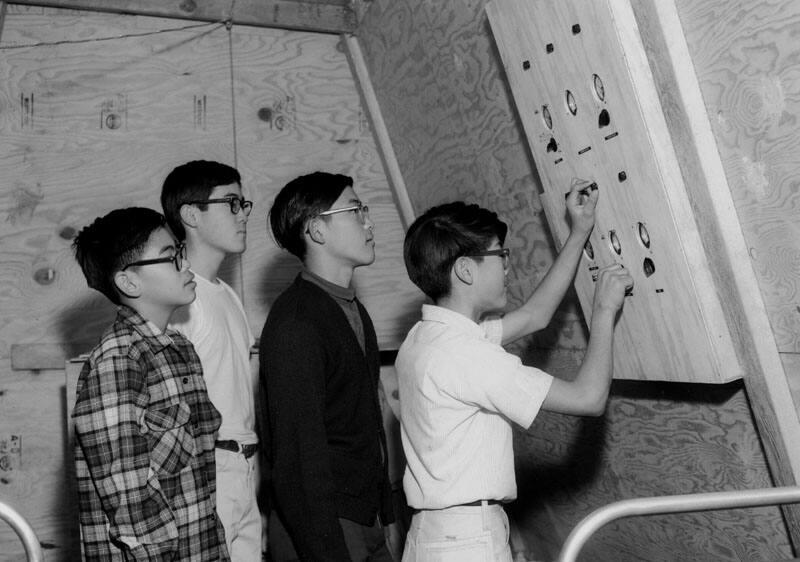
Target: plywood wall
{"points": [[452, 120], [746, 58], [95, 110], [655, 439]]}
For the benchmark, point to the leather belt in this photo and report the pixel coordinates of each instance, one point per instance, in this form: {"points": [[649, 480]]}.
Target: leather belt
{"points": [[234, 446], [478, 502]]}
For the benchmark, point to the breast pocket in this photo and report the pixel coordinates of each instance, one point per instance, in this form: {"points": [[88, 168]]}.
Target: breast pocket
{"points": [[169, 437]]}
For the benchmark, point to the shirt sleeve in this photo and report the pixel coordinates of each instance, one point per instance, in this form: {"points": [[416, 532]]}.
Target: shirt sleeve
{"points": [[109, 409], [493, 379], [301, 471]]}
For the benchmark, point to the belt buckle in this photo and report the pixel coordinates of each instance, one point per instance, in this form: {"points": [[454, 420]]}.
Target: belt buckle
{"points": [[248, 450]]}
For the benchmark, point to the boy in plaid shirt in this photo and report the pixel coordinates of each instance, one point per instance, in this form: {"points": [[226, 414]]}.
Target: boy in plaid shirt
{"points": [[144, 425]]}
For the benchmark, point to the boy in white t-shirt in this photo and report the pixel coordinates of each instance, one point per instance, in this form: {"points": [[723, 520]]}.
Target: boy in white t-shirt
{"points": [[459, 389], [204, 206]]}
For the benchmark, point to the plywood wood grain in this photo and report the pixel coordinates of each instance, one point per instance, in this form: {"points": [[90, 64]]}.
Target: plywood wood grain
{"points": [[774, 411], [745, 55], [655, 439], [35, 483], [89, 127]]}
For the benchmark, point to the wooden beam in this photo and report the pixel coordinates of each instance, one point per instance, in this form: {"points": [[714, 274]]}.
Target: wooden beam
{"points": [[370, 101], [332, 16]]}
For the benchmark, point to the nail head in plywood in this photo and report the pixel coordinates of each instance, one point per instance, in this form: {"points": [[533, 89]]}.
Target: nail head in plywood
{"points": [[672, 327]]}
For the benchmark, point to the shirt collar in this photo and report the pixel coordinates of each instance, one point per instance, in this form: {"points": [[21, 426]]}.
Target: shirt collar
{"points": [[145, 328], [344, 293], [433, 313]]}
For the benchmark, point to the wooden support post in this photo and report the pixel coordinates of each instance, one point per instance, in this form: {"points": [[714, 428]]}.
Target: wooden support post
{"points": [[370, 101]]}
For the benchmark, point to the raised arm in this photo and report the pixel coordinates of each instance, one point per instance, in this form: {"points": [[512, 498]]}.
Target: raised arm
{"points": [[538, 310], [587, 393]]}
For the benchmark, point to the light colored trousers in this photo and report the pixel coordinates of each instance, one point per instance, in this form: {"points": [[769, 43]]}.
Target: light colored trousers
{"points": [[237, 506], [459, 534]]}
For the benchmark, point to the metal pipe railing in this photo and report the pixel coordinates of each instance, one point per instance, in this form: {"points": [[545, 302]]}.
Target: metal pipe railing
{"points": [[33, 549], [671, 504]]}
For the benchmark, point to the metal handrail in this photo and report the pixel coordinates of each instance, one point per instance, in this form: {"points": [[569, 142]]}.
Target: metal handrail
{"points": [[33, 549], [671, 504]]}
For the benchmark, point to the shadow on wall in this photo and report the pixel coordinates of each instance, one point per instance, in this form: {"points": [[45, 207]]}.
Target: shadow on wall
{"points": [[655, 439], [80, 328], [81, 325], [66, 500], [276, 274]]}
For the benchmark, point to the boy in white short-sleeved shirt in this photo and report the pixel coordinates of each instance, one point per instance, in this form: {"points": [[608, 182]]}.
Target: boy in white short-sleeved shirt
{"points": [[459, 389]]}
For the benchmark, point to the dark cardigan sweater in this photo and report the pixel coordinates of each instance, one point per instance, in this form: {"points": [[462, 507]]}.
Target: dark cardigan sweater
{"points": [[322, 430]]}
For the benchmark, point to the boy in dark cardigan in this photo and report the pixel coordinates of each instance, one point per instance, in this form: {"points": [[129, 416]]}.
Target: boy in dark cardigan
{"points": [[325, 449]]}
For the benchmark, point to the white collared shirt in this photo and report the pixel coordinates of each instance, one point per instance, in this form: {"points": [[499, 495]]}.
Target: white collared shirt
{"points": [[459, 391]]}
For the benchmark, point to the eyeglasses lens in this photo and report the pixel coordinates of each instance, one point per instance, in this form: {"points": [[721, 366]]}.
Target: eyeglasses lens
{"points": [[363, 213], [240, 205], [180, 256]]}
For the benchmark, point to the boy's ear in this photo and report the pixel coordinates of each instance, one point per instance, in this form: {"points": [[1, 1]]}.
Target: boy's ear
{"points": [[462, 269], [189, 215], [128, 284], [314, 231]]}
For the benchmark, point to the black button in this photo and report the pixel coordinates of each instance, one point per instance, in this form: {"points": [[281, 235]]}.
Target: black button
{"points": [[185, 380]]}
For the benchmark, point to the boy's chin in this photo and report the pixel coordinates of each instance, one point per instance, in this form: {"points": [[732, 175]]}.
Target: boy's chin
{"points": [[188, 298], [366, 260], [500, 306]]}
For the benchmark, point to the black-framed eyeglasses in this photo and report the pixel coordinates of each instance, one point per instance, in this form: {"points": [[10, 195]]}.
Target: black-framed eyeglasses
{"points": [[504, 253], [361, 211], [237, 203], [177, 259]]}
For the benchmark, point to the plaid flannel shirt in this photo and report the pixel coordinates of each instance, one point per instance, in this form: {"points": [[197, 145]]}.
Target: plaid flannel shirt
{"points": [[144, 449]]}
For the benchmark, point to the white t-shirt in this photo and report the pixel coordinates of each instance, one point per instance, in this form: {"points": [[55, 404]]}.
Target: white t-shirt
{"points": [[217, 326], [459, 391]]}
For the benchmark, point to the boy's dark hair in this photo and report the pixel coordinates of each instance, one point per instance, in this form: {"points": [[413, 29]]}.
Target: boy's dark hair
{"points": [[437, 238], [111, 242], [299, 201], [193, 181]]}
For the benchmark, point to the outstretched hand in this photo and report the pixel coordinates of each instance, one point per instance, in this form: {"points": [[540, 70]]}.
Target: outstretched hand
{"points": [[581, 203]]}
